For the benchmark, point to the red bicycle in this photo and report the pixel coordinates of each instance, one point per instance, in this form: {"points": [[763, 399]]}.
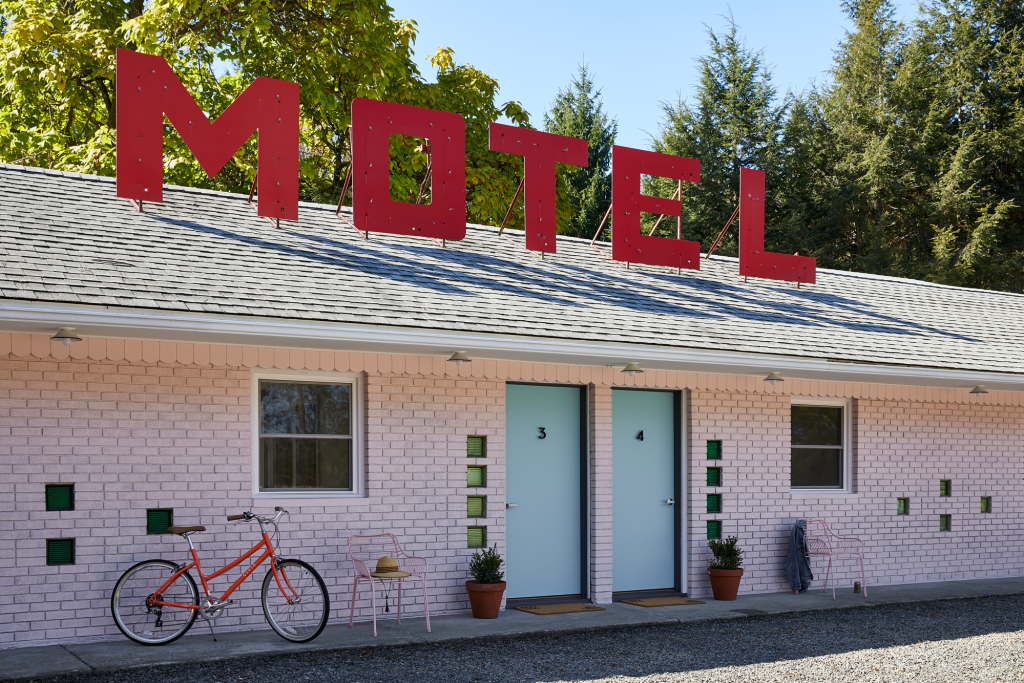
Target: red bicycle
{"points": [[156, 601]]}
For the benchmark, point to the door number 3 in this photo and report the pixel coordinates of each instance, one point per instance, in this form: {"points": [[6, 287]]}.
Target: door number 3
{"points": [[543, 435]]}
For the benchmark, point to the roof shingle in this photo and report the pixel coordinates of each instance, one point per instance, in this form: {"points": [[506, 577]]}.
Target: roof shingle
{"points": [[67, 238]]}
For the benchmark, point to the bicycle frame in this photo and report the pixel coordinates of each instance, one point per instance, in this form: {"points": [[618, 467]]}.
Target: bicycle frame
{"points": [[269, 552]]}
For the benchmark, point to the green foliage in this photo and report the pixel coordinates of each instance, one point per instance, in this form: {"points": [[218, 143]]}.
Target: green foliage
{"points": [[57, 104], [486, 566], [726, 554], [577, 112], [908, 163], [735, 122]]}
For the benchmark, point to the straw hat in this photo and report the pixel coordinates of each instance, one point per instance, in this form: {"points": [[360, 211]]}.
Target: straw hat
{"points": [[387, 568]]}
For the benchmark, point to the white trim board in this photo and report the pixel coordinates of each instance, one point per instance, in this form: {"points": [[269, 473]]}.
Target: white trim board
{"points": [[126, 323]]}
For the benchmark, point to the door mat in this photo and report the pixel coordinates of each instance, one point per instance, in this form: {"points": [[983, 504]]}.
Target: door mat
{"points": [[663, 602], [564, 608]]}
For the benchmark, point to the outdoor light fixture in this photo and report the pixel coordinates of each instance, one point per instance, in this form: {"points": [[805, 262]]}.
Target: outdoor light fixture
{"points": [[774, 378], [66, 336], [631, 369], [459, 357], [980, 389]]}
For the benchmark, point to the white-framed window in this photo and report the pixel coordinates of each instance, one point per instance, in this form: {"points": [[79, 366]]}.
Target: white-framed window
{"points": [[820, 454], [308, 434]]}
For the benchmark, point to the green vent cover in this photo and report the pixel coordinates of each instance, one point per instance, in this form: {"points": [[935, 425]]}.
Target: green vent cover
{"points": [[945, 522], [60, 497], [476, 506], [60, 551], [476, 446], [714, 450], [902, 506], [714, 502], [945, 488], [986, 504], [714, 476], [476, 476], [714, 529], [476, 537], [157, 521]]}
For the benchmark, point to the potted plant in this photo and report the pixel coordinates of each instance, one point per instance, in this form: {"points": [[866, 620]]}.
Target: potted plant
{"points": [[725, 568], [486, 589]]}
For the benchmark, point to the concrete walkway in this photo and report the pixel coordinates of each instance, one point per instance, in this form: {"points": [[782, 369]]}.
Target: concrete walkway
{"points": [[54, 660]]}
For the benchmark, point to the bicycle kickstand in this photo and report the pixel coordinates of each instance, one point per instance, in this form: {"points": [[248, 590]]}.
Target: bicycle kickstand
{"points": [[209, 622]]}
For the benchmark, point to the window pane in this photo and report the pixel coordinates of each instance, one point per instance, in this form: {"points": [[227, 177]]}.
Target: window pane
{"points": [[287, 408], [817, 426], [817, 467], [287, 463]]}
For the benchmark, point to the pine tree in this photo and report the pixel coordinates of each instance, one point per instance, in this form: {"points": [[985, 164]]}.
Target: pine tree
{"points": [[929, 126], [735, 122], [970, 55], [577, 112]]}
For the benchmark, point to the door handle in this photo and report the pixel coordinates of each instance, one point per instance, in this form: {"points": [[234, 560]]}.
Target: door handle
{"points": [[670, 502], [511, 505]]}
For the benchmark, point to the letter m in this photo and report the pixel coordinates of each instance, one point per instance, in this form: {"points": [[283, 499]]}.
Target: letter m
{"points": [[147, 89]]}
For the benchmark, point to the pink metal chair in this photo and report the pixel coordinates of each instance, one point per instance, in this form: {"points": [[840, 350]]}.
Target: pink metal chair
{"points": [[365, 551], [821, 542]]}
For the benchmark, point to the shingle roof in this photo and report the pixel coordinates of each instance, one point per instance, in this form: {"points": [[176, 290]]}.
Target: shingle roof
{"points": [[68, 238]]}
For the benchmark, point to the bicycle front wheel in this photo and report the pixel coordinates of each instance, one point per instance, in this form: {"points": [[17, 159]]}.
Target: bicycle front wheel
{"points": [[300, 613], [140, 620]]}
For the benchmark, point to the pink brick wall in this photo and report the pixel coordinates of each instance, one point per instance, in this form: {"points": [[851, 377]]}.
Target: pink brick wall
{"points": [[139, 435], [902, 450], [138, 425]]}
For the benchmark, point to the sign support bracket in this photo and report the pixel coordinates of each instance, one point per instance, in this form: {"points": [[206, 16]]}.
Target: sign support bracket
{"points": [[341, 200], [512, 206], [252, 190]]}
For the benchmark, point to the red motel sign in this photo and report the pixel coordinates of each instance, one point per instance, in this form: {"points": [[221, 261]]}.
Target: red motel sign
{"points": [[147, 89]]}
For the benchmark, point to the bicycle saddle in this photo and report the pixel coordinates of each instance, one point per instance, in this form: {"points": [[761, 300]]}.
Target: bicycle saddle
{"points": [[184, 529]]}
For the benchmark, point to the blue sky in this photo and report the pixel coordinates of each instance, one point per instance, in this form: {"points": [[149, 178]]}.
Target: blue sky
{"points": [[642, 53]]}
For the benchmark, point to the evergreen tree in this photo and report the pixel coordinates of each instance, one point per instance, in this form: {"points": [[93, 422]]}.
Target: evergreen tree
{"points": [[735, 122], [970, 57], [929, 126], [577, 112]]}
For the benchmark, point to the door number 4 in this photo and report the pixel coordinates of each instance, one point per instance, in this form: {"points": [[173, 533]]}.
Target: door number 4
{"points": [[640, 436]]}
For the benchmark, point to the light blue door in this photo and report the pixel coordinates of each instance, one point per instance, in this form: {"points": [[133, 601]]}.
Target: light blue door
{"points": [[643, 480], [542, 480]]}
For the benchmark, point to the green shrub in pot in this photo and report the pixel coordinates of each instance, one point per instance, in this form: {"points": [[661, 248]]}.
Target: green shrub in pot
{"points": [[726, 554], [487, 588], [725, 567]]}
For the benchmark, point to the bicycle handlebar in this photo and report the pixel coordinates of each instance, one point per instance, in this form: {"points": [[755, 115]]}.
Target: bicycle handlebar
{"points": [[247, 516]]}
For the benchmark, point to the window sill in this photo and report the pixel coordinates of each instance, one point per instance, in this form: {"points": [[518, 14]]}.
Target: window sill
{"points": [[315, 499], [819, 493]]}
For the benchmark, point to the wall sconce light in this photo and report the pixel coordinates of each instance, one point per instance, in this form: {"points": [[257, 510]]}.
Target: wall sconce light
{"points": [[66, 336], [980, 389], [631, 369], [774, 378], [459, 357]]}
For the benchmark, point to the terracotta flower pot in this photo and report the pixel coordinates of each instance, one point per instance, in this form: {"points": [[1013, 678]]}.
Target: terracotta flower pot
{"points": [[485, 598], [725, 583]]}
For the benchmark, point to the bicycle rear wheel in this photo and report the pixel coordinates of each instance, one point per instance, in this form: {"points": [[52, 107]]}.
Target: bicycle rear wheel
{"points": [[303, 617], [145, 623]]}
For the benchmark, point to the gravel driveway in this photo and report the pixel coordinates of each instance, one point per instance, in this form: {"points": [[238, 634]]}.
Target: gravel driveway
{"points": [[949, 640]]}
